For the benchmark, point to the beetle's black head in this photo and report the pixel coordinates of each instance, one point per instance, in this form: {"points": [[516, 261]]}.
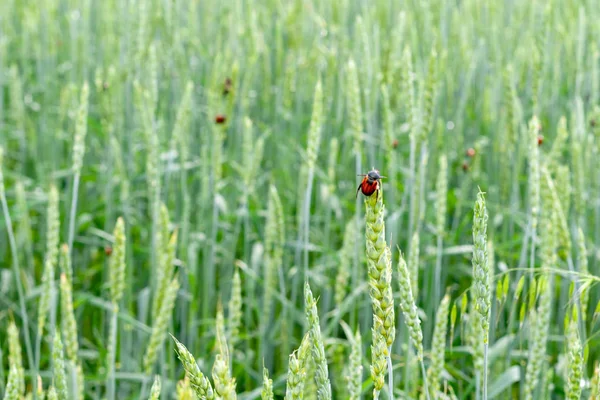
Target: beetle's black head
{"points": [[373, 175]]}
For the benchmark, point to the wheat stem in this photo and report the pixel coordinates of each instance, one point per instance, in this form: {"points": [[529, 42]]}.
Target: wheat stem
{"points": [[16, 269]]}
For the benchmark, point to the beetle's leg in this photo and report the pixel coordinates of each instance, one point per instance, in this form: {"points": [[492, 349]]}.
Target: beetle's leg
{"points": [[357, 190]]}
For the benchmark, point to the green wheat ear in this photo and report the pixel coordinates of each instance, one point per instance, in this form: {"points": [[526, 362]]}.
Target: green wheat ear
{"points": [[224, 383], [582, 263], [413, 264], [69, 324], [50, 261], [274, 242], [15, 360], [80, 129], [295, 379], [58, 367], [355, 369], [198, 381], [379, 270], [533, 159], [267, 390], [409, 307], [481, 284], [441, 193], [317, 347], [595, 393], [574, 362], [235, 309], [184, 390], [315, 129], [155, 390], [438, 346], [159, 329], [13, 384], [52, 395], [116, 264], [541, 317]]}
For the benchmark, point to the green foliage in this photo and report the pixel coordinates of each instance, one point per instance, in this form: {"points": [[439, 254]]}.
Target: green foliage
{"points": [[194, 153]]}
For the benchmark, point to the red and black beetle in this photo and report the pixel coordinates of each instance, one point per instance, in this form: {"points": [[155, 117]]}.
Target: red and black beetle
{"points": [[370, 183]]}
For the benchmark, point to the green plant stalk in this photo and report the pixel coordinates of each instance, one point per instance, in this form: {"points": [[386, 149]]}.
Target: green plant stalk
{"points": [[16, 272], [26, 223], [353, 102], [425, 384], [441, 189], [355, 260], [112, 350], [410, 191], [306, 223], [485, 367], [249, 285], [576, 294], [312, 150], [439, 255], [209, 277], [390, 374], [73, 212], [38, 349], [407, 359], [183, 250], [560, 213]]}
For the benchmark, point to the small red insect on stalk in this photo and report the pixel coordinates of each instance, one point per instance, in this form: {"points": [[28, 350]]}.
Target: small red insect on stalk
{"points": [[540, 140], [465, 166], [220, 119], [108, 250], [370, 183], [395, 143]]}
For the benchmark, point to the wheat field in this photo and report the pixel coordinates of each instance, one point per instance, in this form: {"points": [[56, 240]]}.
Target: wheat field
{"points": [[192, 205]]}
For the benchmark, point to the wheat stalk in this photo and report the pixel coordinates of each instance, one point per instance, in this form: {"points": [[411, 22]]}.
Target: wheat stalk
{"points": [[16, 269]]}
